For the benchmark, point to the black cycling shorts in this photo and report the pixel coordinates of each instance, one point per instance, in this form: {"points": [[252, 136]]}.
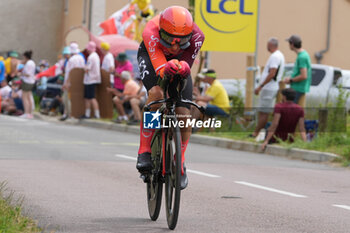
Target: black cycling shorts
{"points": [[150, 79]]}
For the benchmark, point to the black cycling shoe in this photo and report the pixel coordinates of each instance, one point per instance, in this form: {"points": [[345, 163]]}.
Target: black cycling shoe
{"points": [[184, 179], [144, 162]]}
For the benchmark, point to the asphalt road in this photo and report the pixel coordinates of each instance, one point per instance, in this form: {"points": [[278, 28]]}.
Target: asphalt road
{"points": [[78, 179]]}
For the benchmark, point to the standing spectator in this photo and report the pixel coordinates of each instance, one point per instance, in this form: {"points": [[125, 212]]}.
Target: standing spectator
{"points": [[268, 87], [215, 100], [130, 90], [62, 63], [91, 78], [11, 64], [301, 76], [2, 71], [75, 61], [287, 115], [28, 79], [108, 61], [122, 65]]}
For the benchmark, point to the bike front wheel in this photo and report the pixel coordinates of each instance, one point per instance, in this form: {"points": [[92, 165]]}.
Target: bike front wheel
{"points": [[173, 176], [154, 196]]}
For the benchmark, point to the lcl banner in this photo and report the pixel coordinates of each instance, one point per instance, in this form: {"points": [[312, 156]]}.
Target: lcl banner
{"points": [[228, 25]]}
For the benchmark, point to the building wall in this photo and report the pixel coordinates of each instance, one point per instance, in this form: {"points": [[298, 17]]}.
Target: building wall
{"points": [[31, 24], [48, 21], [281, 18]]}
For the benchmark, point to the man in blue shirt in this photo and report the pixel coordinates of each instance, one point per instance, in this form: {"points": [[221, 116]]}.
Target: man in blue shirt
{"points": [[2, 71]]}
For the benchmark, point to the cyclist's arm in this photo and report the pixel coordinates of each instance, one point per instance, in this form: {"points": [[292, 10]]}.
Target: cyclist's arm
{"points": [[151, 40]]}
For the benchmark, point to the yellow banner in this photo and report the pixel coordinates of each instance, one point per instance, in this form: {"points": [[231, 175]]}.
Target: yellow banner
{"points": [[228, 25]]}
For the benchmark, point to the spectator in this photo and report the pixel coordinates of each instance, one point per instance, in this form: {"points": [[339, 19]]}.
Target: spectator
{"points": [[28, 79], [122, 65], [268, 87], [75, 61], [2, 71], [215, 100], [131, 89], [300, 80], [137, 102], [287, 115], [11, 64], [13, 104], [5, 90], [42, 82], [108, 61], [91, 78]]}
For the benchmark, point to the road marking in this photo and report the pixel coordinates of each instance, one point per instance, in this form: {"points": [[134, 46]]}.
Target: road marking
{"points": [[342, 206], [28, 142], [270, 189], [189, 170], [203, 173], [126, 157]]}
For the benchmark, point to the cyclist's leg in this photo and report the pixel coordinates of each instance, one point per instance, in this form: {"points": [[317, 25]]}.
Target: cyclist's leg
{"points": [[149, 80], [184, 113]]}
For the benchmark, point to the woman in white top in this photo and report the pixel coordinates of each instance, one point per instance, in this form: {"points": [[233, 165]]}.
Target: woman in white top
{"points": [[28, 80]]}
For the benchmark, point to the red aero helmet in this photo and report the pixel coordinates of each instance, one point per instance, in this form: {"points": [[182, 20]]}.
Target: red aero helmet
{"points": [[177, 21]]}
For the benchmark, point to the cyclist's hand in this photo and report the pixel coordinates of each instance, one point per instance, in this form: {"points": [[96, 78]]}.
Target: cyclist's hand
{"points": [[185, 69], [171, 68]]}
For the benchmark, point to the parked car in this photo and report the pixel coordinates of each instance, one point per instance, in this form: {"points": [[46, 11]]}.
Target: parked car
{"points": [[324, 90], [325, 84]]}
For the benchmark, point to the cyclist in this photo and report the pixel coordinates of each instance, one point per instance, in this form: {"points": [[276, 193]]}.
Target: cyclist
{"points": [[171, 42]]}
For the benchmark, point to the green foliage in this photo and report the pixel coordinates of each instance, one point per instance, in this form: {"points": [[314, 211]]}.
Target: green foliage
{"points": [[11, 219]]}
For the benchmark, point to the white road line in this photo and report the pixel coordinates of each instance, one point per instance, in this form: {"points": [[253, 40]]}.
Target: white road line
{"points": [[342, 206], [270, 189], [126, 157], [203, 173], [190, 171]]}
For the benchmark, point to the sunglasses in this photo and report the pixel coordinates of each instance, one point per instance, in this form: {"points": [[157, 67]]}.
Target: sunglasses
{"points": [[168, 40]]}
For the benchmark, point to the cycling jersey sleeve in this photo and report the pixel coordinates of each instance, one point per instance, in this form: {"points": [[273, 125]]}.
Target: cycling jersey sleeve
{"points": [[196, 41], [152, 43]]}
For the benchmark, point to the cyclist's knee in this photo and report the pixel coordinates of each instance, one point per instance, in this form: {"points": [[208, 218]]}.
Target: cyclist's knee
{"points": [[155, 93]]}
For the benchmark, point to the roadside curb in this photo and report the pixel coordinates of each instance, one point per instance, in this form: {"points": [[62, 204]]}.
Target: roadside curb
{"points": [[292, 153]]}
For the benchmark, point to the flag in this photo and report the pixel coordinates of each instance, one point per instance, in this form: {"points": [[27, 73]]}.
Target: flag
{"points": [[50, 72], [120, 22]]}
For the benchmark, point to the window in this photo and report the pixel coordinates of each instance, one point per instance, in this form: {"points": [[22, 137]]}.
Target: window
{"points": [[317, 76]]}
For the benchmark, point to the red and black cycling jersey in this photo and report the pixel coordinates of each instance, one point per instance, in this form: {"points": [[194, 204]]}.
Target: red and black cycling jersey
{"points": [[159, 54]]}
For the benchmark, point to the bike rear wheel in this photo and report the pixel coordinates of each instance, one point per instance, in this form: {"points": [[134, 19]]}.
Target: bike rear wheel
{"points": [[173, 176]]}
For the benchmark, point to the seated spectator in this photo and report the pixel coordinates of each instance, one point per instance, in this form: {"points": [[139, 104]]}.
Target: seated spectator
{"points": [[13, 104], [137, 102], [287, 115], [131, 89], [215, 100], [5, 90], [122, 65]]}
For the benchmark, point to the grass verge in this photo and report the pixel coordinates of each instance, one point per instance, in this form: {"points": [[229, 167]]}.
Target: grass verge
{"points": [[11, 218], [332, 142]]}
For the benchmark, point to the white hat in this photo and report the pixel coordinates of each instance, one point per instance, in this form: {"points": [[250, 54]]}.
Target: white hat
{"points": [[125, 75], [74, 48]]}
